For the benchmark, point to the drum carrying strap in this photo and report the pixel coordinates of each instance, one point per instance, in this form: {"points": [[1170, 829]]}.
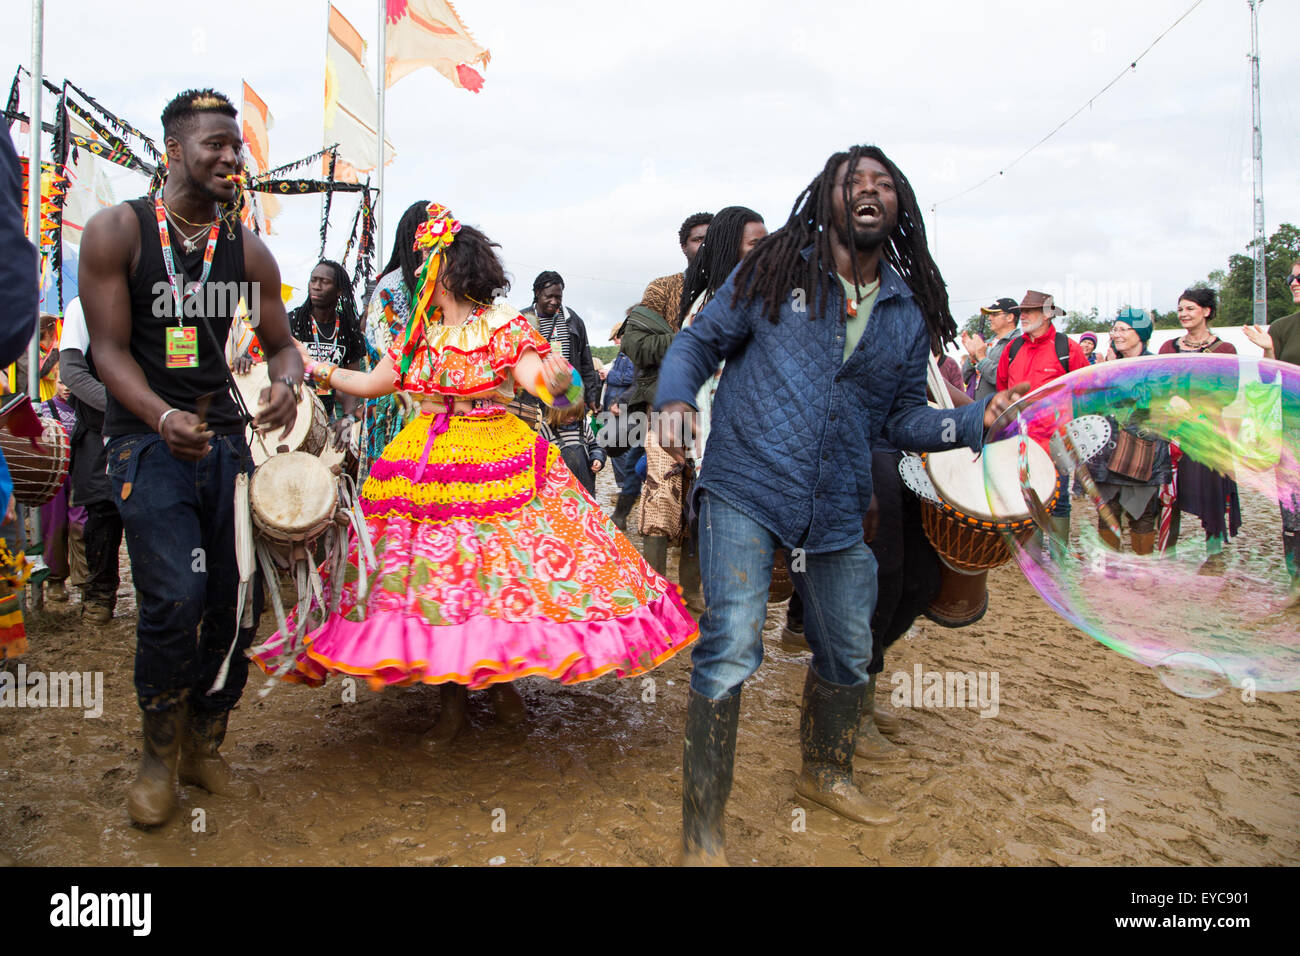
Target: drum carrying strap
{"points": [[247, 563]]}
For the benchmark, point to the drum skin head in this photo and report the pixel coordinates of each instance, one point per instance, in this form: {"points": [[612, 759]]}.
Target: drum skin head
{"points": [[959, 477], [292, 493], [263, 446]]}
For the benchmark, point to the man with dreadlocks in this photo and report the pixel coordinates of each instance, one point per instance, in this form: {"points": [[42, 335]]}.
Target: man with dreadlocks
{"points": [[565, 330], [176, 435], [327, 326], [803, 399]]}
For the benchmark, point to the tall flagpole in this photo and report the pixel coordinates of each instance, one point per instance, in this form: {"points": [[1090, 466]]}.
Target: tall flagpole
{"points": [[382, 71], [34, 186], [1259, 283]]}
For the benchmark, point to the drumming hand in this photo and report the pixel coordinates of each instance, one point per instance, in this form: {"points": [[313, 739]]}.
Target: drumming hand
{"points": [[871, 520], [1003, 400], [276, 407], [676, 430], [341, 431], [242, 364], [187, 438]]}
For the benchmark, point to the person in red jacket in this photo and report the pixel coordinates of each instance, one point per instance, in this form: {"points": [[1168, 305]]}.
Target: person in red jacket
{"points": [[1041, 355]]}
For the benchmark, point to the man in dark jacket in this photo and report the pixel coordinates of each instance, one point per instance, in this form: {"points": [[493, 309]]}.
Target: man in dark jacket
{"points": [[90, 485], [563, 328], [803, 401], [19, 292]]}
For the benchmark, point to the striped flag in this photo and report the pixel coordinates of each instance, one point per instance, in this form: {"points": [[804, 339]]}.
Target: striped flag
{"points": [[351, 103], [257, 123]]}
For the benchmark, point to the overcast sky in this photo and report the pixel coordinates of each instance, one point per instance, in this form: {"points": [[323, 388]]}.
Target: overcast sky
{"points": [[603, 124]]}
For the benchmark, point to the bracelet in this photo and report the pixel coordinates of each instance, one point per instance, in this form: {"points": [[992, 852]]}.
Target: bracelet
{"points": [[309, 370], [295, 388], [163, 417], [322, 373]]}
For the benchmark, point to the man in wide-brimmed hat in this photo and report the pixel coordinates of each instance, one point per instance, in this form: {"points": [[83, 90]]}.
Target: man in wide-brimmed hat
{"points": [[1041, 355]]}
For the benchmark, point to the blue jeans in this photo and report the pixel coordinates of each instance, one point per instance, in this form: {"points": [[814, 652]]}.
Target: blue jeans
{"points": [[629, 482], [838, 590], [179, 522]]}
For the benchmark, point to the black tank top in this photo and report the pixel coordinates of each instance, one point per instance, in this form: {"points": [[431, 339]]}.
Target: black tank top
{"points": [[153, 309]]}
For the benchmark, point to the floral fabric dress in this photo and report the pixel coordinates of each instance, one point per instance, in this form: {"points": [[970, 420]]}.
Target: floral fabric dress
{"points": [[493, 562]]}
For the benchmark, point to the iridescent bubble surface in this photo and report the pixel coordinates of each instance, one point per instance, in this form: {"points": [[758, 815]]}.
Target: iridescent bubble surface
{"points": [[1205, 615]]}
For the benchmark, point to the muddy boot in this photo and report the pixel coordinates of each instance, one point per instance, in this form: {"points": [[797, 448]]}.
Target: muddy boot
{"points": [[654, 548], [708, 759], [507, 704], [828, 730], [451, 716], [622, 508], [1143, 542], [201, 763], [688, 576], [792, 635], [1109, 539], [871, 745], [151, 799], [887, 721]]}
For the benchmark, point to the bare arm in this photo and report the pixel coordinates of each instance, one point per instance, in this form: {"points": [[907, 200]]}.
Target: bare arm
{"points": [[380, 380], [107, 246]]}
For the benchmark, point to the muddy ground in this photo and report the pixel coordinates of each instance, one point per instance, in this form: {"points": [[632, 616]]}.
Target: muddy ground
{"points": [[1089, 760]]}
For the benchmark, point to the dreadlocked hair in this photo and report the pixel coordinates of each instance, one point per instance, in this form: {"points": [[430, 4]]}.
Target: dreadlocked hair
{"points": [[405, 256], [691, 221], [546, 278], [345, 308], [718, 255], [184, 108], [776, 267]]}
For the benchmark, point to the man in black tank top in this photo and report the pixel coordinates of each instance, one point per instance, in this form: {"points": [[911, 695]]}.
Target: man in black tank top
{"points": [[159, 281]]}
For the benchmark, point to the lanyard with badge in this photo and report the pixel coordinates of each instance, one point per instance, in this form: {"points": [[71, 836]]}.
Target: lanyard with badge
{"points": [[181, 342]]}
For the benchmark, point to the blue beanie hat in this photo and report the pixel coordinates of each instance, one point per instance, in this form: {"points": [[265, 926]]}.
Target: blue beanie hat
{"points": [[1139, 320]]}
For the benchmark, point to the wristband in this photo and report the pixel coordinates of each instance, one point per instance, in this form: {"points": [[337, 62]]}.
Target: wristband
{"points": [[163, 417]]}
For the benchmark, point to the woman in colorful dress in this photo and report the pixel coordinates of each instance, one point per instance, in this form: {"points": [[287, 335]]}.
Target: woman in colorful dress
{"points": [[493, 562], [386, 319], [1209, 495]]}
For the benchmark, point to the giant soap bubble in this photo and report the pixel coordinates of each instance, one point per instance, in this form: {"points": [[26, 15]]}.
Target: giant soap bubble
{"points": [[1168, 429]]}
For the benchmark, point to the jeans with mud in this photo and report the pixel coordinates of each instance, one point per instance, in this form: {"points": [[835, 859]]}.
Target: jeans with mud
{"points": [[838, 590], [180, 533]]}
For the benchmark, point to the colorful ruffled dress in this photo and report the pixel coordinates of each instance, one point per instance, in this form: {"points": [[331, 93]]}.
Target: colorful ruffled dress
{"points": [[493, 562]]}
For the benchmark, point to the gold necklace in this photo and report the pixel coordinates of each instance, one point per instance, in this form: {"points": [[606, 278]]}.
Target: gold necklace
{"points": [[180, 218]]}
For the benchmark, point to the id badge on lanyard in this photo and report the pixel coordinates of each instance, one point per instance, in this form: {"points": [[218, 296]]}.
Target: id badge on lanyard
{"points": [[181, 342]]}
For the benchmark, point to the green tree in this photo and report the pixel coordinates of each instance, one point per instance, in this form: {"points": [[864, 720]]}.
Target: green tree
{"points": [[1076, 323], [1236, 286]]}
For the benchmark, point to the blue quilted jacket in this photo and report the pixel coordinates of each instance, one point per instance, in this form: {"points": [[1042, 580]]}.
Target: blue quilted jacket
{"points": [[793, 424]]}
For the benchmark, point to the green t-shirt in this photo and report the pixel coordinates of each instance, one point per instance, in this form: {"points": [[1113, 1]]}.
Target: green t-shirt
{"points": [[1286, 339], [855, 325]]}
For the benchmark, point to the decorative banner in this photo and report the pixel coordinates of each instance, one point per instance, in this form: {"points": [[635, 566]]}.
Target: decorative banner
{"points": [[430, 33], [89, 189], [351, 103], [257, 123]]}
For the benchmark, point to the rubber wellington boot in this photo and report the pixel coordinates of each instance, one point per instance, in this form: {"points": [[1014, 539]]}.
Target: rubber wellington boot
{"points": [[151, 799], [507, 704], [828, 730], [654, 548], [887, 721], [201, 763], [451, 716], [871, 744], [1143, 542], [622, 508], [688, 576], [708, 760]]}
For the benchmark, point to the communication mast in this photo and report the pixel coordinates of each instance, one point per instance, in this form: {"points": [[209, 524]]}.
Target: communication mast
{"points": [[1260, 285]]}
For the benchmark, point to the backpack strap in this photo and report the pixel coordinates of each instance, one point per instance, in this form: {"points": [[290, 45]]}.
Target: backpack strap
{"points": [[1062, 350]]}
